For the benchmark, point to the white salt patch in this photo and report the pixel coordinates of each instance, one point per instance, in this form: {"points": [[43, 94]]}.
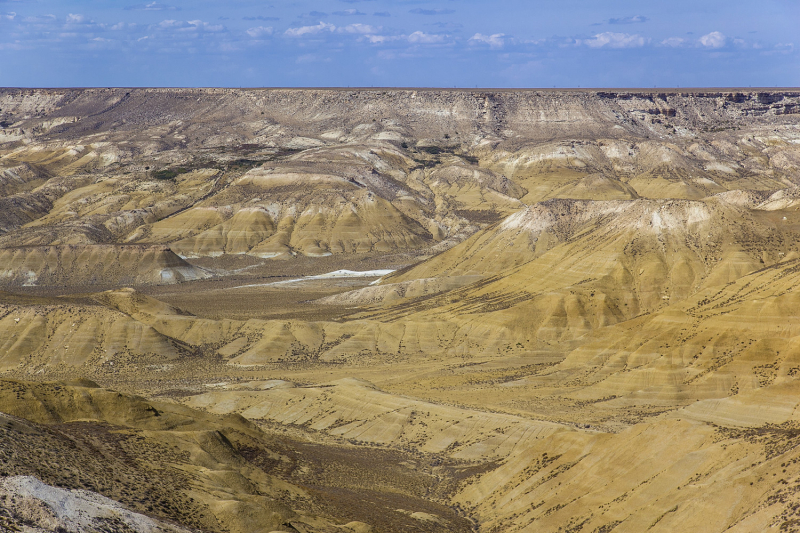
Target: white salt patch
{"points": [[656, 222], [330, 275]]}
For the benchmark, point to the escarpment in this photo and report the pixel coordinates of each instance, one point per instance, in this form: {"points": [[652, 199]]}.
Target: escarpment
{"points": [[353, 310]]}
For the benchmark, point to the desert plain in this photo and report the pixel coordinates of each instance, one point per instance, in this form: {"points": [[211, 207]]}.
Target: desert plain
{"points": [[385, 310]]}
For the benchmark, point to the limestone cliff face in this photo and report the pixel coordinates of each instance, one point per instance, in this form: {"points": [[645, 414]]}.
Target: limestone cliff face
{"points": [[593, 324], [277, 173], [206, 116]]}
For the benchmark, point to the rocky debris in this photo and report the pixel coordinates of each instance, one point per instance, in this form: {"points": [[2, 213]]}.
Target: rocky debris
{"points": [[29, 505], [585, 281], [284, 173]]}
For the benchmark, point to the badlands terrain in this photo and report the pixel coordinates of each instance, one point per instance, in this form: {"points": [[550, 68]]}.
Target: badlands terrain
{"points": [[386, 310]]}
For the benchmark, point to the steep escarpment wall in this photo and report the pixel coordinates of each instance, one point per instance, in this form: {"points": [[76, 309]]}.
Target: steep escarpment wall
{"points": [[421, 113]]}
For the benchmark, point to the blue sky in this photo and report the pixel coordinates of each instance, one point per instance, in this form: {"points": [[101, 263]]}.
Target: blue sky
{"points": [[444, 43]]}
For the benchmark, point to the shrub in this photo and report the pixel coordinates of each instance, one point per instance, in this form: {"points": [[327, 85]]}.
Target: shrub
{"points": [[169, 173], [431, 149]]}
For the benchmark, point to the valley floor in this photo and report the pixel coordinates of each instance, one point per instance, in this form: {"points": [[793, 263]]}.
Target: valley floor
{"points": [[362, 311]]}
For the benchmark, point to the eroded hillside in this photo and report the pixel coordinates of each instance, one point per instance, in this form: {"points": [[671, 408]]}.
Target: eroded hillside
{"points": [[393, 310]]}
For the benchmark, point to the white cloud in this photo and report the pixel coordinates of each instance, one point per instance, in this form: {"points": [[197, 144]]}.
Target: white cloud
{"points": [[190, 26], [380, 39], [123, 25], [713, 40], [152, 6], [348, 13], [75, 19], [495, 40], [637, 19], [437, 11], [419, 37], [100, 43], [40, 19], [360, 28], [615, 40], [260, 17], [8, 16], [673, 42], [205, 26], [259, 31], [309, 30]]}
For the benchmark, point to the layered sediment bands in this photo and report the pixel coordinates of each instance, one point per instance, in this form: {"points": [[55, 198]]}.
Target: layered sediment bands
{"points": [[93, 265], [21, 178], [281, 173], [392, 293], [428, 113], [650, 168], [25, 207], [60, 337], [637, 229], [721, 342], [306, 213], [617, 279], [258, 342], [356, 410], [654, 477], [587, 319], [564, 268], [171, 463], [356, 198]]}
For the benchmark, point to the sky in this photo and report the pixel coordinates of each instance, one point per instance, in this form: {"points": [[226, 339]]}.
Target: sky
{"points": [[401, 43]]}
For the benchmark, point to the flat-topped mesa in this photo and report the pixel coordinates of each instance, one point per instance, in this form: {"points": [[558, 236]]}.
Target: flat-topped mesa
{"points": [[73, 265], [203, 116]]}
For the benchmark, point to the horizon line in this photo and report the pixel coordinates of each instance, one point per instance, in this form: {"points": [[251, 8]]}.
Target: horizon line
{"points": [[429, 88]]}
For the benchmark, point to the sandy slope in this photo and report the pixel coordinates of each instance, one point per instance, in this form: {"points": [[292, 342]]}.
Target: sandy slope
{"points": [[94, 264], [591, 324]]}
